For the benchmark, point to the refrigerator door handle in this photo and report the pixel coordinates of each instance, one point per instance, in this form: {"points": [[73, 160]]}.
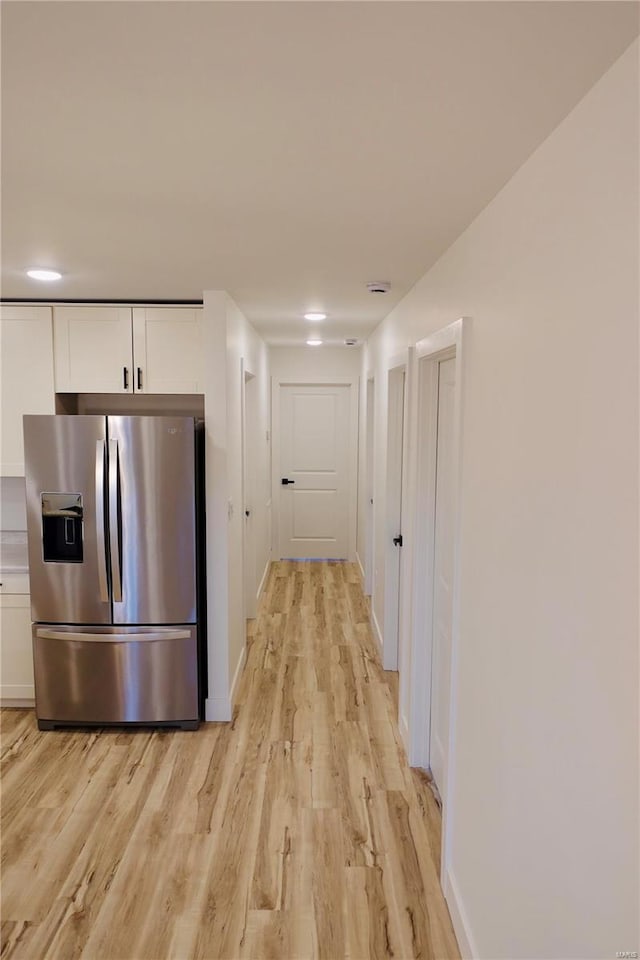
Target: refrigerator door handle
{"points": [[86, 637], [100, 541], [114, 522]]}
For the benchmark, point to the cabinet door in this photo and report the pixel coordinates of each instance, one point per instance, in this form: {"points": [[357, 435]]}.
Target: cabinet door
{"points": [[16, 656], [92, 348], [167, 349], [27, 377]]}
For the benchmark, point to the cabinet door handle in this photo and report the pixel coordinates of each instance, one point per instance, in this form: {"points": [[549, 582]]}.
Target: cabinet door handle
{"points": [[125, 377], [139, 378]]}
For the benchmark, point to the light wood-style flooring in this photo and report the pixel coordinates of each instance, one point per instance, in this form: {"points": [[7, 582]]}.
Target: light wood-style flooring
{"points": [[296, 831]]}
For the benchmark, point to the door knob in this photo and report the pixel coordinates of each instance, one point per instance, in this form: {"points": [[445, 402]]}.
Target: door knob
{"points": [[285, 481]]}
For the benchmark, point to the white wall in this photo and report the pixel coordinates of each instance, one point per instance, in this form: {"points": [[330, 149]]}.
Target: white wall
{"points": [[231, 344], [309, 363], [544, 806], [13, 505]]}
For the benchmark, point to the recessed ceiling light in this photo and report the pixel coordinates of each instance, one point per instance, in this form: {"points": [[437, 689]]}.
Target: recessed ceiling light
{"points": [[314, 343], [315, 316], [38, 274]]}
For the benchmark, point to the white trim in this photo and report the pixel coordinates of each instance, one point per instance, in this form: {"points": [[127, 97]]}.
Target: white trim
{"points": [[17, 695], [242, 659], [429, 352], [403, 726], [459, 918], [353, 384], [377, 633], [217, 710], [360, 566], [263, 580]]}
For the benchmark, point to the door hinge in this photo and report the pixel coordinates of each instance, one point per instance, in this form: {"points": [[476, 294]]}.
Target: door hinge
{"points": [[397, 541]]}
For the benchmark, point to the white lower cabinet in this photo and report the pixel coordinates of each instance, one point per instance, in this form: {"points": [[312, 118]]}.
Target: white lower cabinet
{"points": [[16, 656]]}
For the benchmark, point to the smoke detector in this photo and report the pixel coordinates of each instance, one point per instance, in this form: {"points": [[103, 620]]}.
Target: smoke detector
{"points": [[350, 342], [380, 287]]}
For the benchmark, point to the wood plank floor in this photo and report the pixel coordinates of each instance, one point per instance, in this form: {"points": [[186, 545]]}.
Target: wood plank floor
{"points": [[296, 831]]}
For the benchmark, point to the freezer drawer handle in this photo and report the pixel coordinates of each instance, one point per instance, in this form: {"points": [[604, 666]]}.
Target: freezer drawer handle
{"points": [[114, 522], [44, 634], [101, 545]]}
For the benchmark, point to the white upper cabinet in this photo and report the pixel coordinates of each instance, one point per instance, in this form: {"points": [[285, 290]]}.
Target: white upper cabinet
{"points": [[167, 349], [119, 350], [93, 349], [26, 349]]}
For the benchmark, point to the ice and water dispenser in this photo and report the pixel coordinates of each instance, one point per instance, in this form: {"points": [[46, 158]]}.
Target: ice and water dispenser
{"points": [[62, 515]]}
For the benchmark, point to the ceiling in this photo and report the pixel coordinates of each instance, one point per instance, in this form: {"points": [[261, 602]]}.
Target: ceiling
{"points": [[287, 152]]}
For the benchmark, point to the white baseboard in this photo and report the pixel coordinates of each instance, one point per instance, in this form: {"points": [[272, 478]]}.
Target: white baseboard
{"points": [[377, 632], [459, 919], [237, 675], [403, 726], [218, 709], [12, 692], [359, 562], [263, 581]]}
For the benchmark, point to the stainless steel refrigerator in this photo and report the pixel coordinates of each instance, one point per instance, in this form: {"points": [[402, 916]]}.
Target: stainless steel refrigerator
{"points": [[116, 567]]}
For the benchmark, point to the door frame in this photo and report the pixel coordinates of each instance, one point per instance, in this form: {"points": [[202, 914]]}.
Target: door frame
{"points": [[396, 448], [352, 384], [441, 345]]}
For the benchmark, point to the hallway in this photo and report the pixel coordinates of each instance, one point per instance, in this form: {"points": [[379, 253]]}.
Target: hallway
{"points": [[296, 831]]}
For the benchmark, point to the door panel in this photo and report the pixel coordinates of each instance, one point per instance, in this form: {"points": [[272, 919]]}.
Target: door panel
{"points": [[167, 346], [156, 469], [26, 377], [393, 559], [108, 675], [314, 507], [60, 459], [92, 349], [443, 576]]}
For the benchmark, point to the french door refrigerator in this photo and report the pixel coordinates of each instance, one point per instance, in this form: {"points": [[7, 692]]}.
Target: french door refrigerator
{"points": [[116, 569]]}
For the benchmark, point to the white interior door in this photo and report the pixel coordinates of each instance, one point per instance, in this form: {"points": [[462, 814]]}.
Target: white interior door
{"points": [[442, 576], [368, 565], [249, 417], [393, 552], [314, 429]]}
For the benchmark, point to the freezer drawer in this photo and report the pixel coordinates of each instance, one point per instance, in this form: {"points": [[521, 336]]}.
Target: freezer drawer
{"points": [[103, 675]]}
